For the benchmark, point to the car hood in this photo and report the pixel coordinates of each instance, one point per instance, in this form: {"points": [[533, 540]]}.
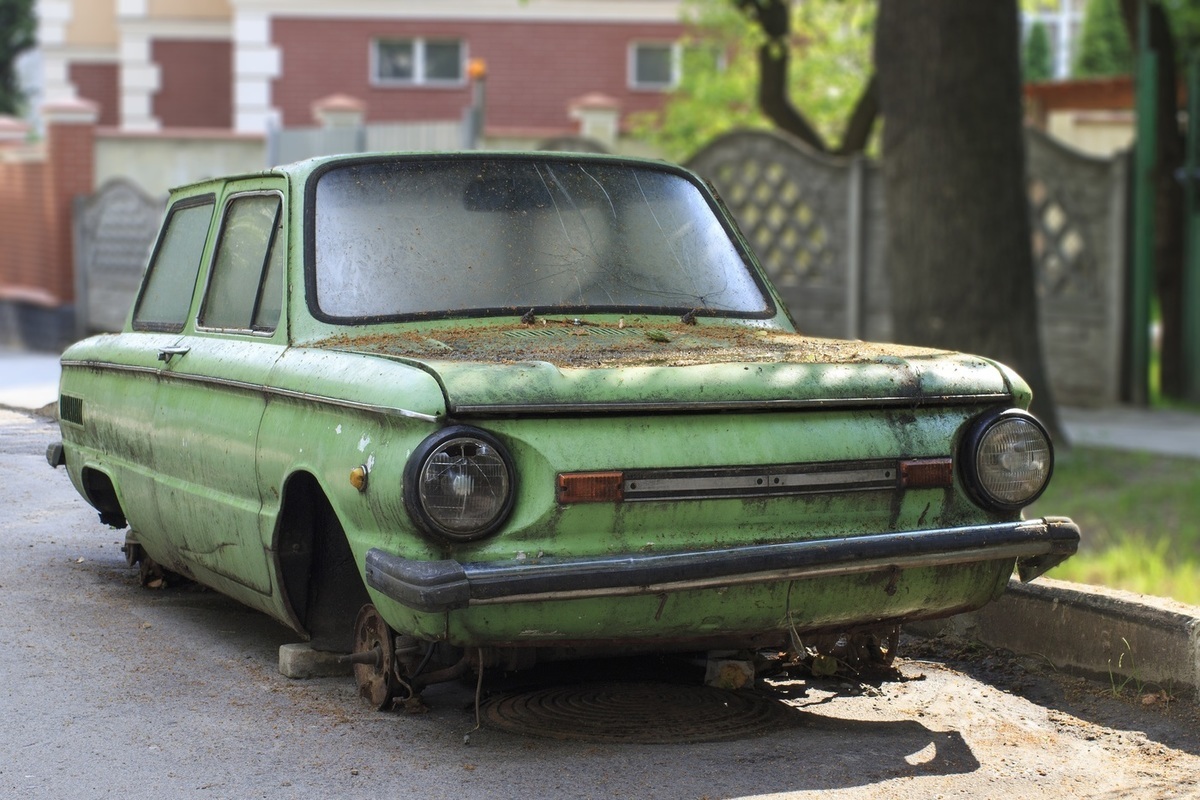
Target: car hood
{"points": [[569, 368]]}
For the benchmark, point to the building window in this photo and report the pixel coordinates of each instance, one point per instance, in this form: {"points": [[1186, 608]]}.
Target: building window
{"points": [[418, 61], [654, 65], [1064, 23]]}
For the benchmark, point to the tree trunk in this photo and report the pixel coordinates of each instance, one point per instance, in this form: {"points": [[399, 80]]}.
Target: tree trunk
{"points": [[774, 17], [862, 120], [959, 248]]}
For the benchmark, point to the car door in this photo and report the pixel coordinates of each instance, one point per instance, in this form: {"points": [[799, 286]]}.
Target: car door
{"points": [[210, 398], [110, 383]]}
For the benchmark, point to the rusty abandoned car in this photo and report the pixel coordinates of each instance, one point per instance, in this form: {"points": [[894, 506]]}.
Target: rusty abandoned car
{"points": [[454, 411]]}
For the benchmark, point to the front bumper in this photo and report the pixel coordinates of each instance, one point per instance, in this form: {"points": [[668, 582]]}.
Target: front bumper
{"points": [[432, 586]]}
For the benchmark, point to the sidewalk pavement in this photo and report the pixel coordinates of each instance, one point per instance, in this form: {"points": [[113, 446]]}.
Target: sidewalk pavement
{"points": [[1171, 433], [29, 381]]}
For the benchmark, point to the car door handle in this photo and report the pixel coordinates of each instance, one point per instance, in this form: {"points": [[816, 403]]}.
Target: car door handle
{"points": [[167, 353]]}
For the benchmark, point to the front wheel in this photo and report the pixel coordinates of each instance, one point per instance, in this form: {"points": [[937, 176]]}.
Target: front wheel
{"points": [[376, 677]]}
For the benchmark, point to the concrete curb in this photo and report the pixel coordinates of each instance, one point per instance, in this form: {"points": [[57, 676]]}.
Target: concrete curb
{"points": [[1134, 641]]}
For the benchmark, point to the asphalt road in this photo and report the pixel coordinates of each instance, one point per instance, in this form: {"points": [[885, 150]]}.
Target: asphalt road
{"points": [[111, 690]]}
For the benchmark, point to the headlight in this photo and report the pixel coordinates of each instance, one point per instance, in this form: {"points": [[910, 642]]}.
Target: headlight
{"points": [[1007, 459], [459, 484]]}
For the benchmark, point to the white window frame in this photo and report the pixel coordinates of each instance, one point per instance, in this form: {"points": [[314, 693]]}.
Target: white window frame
{"points": [[676, 66], [419, 78]]}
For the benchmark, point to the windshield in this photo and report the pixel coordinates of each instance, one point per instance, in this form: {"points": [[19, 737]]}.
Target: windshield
{"points": [[409, 238]]}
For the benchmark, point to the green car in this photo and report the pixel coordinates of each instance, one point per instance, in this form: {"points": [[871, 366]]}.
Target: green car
{"points": [[449, 412]]}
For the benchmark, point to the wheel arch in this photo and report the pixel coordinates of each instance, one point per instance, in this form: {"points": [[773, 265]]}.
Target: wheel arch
{"points": [[100, 491], [321, 583]]}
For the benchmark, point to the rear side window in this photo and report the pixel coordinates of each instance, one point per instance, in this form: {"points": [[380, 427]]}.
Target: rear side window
{"points": [[171, 277], [246, 287]]}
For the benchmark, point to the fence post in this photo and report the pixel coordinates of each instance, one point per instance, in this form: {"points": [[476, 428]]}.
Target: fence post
{"points": [[338, 113], [1117, 274], [1191, 243], [70, 172], [856, 262], [1143, 213]]}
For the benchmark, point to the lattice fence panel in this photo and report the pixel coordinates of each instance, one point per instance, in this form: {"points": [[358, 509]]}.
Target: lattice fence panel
{"points": [[818, 226], [792, 207]]}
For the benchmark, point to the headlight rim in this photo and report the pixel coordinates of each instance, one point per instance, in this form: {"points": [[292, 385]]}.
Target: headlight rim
{"points": [[426, 522], [976, 430]]}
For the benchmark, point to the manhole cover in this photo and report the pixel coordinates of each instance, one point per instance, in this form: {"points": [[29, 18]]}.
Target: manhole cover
{"points": [[643, 713]]}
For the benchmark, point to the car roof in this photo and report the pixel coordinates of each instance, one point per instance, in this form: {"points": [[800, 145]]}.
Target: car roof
{"points": [[301, 169]]}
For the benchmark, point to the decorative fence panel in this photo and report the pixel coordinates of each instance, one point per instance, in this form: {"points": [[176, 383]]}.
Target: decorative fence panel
{"points": [[114, 230], [1079, 216], [798, 210], [819, 227]]}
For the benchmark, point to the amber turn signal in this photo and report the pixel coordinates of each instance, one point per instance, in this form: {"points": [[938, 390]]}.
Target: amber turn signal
{"points": [[591, 487], [927, 473], [358, 478]]}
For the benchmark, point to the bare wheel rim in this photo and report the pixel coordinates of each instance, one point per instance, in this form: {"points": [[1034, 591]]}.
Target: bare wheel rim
{"points": [[376, 682]]}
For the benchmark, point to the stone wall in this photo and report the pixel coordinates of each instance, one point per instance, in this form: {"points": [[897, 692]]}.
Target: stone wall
{"points": [[37, 187]]}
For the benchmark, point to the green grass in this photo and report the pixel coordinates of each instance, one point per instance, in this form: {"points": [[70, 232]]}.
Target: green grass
{"points": [[1139, 514]]}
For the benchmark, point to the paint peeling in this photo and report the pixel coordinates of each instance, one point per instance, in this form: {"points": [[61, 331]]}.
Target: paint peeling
{"points": [[363, 443]]}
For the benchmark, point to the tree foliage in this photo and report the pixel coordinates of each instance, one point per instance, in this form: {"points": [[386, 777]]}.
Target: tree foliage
{"points": [[1104, 48], [1184, 17], [829, 44], [1036, 63], [17, 29]]}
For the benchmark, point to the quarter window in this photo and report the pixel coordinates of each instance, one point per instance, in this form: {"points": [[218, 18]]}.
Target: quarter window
{"points": [[166, 295], [244, 292], [418, 61]]}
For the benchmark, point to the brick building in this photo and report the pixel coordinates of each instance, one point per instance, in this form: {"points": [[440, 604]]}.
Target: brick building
{"points": [[247, 65]]}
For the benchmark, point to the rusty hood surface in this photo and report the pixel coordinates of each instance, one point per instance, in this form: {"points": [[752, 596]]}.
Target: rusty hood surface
{"points": [[574, 366]]}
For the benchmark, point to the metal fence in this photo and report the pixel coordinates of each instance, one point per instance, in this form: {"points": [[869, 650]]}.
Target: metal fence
{"points": [[295, 144]]}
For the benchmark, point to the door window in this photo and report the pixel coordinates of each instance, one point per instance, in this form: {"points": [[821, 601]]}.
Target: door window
{"points": [[245, 291], [170, 282]]}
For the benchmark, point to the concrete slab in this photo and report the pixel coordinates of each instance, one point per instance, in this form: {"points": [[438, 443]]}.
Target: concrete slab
{"points": [[301, 661]]}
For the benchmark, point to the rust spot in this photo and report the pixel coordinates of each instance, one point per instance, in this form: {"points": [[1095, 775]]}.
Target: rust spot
{"points": [[893, 582]]}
